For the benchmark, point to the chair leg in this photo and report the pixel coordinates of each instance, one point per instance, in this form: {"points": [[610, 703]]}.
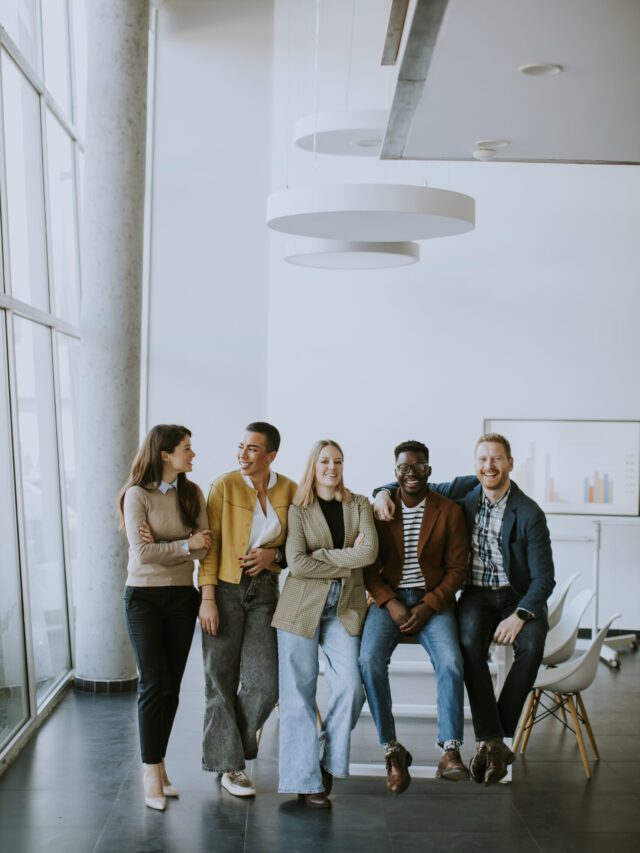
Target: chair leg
{"points": [[562, 710], [587, 725], [576, 723], [536, 701], [523, 723]]}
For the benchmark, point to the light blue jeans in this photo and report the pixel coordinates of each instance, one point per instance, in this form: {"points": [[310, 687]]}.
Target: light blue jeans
{"points": [[439, 638], [302, 749]]}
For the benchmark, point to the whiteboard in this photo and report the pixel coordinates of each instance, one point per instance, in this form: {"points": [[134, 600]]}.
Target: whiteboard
{"points": [[575, 467]]}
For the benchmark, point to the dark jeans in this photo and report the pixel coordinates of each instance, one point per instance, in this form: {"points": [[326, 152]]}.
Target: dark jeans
{"points": [[479, 611], [160, 621], [240, 671]]}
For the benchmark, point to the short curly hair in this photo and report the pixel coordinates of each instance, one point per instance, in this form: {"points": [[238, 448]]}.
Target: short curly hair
{"points": [[411, 447]]}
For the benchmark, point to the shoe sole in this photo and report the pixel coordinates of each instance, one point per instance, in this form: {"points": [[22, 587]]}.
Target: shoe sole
{"points": [[453, 775]]}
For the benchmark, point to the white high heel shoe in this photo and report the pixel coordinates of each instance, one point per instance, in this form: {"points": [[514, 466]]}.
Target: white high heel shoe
{"points": [[153, 793], [167, 788]]}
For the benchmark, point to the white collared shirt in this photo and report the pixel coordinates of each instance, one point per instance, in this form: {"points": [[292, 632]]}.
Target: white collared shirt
{"points": [[265, 527], [164, 488]]}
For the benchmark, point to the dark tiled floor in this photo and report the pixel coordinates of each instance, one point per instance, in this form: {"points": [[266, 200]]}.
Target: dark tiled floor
{"points": [[76, 788]]}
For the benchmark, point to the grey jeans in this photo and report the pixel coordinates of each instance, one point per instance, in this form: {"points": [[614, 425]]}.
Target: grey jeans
{"points": [[240, 671]]}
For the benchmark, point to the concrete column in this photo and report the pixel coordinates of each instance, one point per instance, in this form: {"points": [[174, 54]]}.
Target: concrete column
{"points": [[112, 244]]}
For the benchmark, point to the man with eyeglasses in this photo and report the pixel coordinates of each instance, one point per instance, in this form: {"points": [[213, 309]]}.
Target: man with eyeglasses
{"points": [[422, 562], [504, 601]]}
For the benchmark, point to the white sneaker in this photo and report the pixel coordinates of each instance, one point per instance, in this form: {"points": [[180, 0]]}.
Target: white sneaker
{"points": [[238, 783]]}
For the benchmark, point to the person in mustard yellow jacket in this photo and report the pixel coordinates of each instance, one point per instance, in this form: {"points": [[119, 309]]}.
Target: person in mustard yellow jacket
{"points": [[332, 536], [247, 511]]}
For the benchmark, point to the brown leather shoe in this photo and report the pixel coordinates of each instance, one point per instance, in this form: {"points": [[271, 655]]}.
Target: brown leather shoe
{"points": [[327, 780], [499, 756], [398, 762], [316, 801], [478, 765], [451, 767]]}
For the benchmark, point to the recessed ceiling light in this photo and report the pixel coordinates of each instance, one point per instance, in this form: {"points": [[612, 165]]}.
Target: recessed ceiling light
{"points": [[491, 143], [541, 69]]}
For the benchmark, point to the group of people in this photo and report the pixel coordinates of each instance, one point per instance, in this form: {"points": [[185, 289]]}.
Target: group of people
{"points": [[356, 586]]}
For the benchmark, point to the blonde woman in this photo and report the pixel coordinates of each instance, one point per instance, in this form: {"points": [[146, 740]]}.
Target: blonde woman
{"points": [[331, 538]]}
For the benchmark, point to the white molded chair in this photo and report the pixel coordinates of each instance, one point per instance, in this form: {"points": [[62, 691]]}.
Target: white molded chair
{"points": [[563, 687], [556, 605], [561, 640]]}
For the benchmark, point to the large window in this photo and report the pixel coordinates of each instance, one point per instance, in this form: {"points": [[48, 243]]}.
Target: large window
{"points": [[39, 313]]}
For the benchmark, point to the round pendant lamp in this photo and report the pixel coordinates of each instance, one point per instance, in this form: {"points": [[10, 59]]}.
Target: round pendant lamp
{"points": [[352, 133], [345, 255], [387, 213]]}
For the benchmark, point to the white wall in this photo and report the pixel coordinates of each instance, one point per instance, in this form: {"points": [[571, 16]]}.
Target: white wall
{"points": [[531, 315], [208, 294]]}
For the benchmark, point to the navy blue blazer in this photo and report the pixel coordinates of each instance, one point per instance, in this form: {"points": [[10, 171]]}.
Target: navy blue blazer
{"points": [[525, 542]]}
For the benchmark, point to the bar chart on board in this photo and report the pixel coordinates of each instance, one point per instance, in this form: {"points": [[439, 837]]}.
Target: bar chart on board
{"points": [[576, 467]]}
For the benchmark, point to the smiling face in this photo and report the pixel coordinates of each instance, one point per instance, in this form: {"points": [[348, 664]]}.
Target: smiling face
{"points": [[253, 457], [328, 469], [493, 467], [178, 461], [412, 471]]}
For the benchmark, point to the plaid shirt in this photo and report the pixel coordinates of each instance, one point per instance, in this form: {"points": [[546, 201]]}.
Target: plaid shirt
{"points": [[487, 568]]}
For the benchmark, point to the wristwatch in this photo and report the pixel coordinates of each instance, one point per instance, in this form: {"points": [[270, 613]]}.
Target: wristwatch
{"points": [[524, 614]]}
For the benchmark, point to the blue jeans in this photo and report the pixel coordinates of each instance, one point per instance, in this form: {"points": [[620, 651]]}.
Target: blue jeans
{"points": [[302, 749], [439, 638]]}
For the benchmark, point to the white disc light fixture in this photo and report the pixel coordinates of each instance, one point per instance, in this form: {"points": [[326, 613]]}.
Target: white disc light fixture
{"points": [[387, 213], [354, 133], [345, 255]]}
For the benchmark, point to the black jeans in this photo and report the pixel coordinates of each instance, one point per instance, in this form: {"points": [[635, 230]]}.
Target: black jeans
{"points": [[160, 621], [479, 611]]}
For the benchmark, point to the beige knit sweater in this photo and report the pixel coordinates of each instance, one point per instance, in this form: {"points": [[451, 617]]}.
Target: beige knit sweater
{"points": [[165, 562]]}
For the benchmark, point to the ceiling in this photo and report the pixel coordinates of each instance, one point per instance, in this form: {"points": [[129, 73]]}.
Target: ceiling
{"points": [[459, 82]]}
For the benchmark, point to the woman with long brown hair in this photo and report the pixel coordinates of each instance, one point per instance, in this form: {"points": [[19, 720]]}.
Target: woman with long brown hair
{"points": [[331, 538], [165, 519]]}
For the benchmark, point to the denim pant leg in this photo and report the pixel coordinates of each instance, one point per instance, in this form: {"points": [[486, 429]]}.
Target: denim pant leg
{"points": [[346, 694], [380, 636], [439, 638], [299, 746], [258, 692], [222, 748]]}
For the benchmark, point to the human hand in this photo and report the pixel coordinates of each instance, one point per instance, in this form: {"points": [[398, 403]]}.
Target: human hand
{"points": [[508, 630], [201, 539], [145, 533], [383, 507], [208, 616], [418, 618], [398, 611], [257, 560], [359, 540]]}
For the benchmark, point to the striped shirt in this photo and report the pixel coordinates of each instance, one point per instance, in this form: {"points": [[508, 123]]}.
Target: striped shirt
{"points": [[487, 565], [411, 520]]}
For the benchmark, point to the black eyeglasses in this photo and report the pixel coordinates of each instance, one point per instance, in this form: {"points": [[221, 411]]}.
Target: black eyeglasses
{"points": [[418, 467]]}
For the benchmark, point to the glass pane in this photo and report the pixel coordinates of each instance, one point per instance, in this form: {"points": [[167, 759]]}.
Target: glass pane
{"points": [[68, 355], [20, 20], [79, 42], [55, 29], [64, 243], [41, 495], [25, 195], [13, 685]]}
